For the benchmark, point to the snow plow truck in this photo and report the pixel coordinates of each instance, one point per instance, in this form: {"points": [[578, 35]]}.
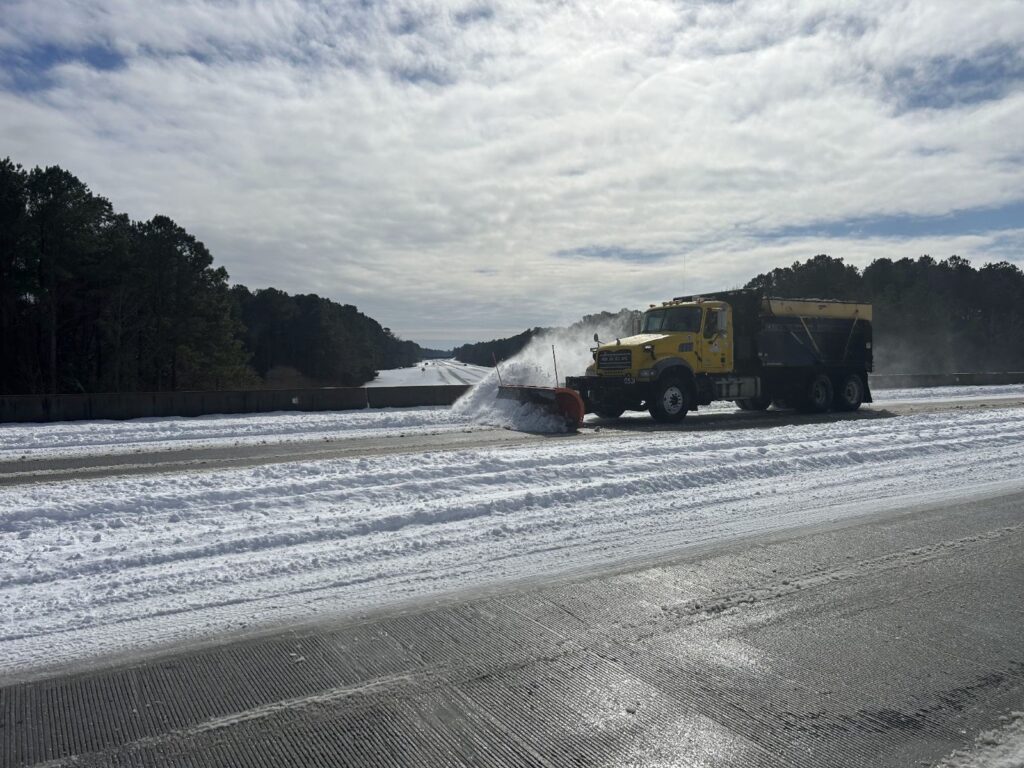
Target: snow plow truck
{"points": [[809, 354]]}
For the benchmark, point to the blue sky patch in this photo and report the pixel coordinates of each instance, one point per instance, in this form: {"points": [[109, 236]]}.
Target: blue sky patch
{"points": [[29, 70], [428, 74], [612, 253], [943, 82], [473, 15], [974, 221]]}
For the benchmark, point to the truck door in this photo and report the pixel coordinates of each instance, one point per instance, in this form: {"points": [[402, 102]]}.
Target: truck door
{"points": [[716, 339]]}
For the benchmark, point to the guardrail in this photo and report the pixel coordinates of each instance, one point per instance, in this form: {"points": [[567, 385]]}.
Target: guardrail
{"points": [[921, 380], [134, 405]]}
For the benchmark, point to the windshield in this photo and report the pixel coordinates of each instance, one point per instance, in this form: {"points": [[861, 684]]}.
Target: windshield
{"points": [[685, 319]]}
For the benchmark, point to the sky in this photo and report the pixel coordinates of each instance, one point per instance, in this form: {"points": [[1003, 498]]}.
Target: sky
{"points": [[466, 170]]}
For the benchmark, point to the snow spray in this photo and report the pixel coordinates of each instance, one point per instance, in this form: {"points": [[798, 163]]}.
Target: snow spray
{"points": [[568, 348]]}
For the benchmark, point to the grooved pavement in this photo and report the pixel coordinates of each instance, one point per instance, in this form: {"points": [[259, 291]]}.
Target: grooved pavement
{"points": [[889, 641]]}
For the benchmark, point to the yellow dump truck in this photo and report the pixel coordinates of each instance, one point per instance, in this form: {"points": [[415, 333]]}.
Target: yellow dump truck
{"points": [[809, 354]]}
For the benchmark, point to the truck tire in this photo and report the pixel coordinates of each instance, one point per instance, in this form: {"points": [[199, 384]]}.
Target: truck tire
{"points": [[608, 413], [818, 394], [671, 400], [850, 394]]}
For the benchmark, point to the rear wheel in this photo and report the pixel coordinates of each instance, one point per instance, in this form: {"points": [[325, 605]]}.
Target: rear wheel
{"points": [[671, 400], [850, 394], [818, 395]]}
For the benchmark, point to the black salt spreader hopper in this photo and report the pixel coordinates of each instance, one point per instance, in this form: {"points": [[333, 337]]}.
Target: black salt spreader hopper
{"points": [[559, 401]]}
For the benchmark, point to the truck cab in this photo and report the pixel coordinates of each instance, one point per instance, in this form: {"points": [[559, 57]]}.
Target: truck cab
{"points": [[678, 340], [699, 331]]}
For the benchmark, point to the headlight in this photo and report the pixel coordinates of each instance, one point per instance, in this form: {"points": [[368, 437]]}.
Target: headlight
{"points": [[646, 373]]}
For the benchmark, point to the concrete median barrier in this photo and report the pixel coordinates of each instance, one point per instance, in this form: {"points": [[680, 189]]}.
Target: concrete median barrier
{"points": [[922, 380], [406, 397], [134, 405]]}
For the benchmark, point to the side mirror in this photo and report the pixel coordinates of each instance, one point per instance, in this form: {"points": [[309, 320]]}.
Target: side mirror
{"points": [[597, 339]]}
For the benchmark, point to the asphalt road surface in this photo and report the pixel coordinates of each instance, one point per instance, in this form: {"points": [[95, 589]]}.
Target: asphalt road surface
{"points": [[887, 640]]}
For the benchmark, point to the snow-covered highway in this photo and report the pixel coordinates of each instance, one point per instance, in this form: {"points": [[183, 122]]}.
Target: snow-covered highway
{"points": [[431, 373], [124, 563], [388, 587]]}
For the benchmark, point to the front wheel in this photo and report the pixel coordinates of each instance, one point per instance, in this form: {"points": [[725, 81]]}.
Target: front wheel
{"points": [[608, 413], [671, 400], [850, 394]]}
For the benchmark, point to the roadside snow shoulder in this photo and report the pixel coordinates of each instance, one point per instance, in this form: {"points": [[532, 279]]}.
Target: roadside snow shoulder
{"points": [[1001, 747], [103, 438]]}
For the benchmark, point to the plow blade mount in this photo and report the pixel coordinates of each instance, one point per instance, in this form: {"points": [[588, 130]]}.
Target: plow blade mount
{"points": [[559, 401]]}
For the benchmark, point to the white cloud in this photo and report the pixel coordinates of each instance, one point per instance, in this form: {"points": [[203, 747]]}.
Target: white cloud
{"points": [[427, 162]]}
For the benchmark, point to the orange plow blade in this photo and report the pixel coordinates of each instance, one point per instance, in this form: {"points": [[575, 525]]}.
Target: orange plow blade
{"points": [[560, 401]]}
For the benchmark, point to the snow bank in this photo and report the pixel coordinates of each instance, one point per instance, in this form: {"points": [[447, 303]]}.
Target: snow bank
{"points": [[930, 394], [82, 438], [1001, 747], [108, 565]]}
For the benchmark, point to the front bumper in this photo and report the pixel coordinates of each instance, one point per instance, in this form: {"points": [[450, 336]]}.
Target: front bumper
{"points": [[609, 392]]}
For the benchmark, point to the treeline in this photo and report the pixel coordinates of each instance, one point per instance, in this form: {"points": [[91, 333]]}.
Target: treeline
{"points": [[91, 301], [486, 352], [929, 316], [327, 342]]}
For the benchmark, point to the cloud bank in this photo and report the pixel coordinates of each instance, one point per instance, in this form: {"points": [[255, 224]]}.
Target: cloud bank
{"points": [[465, 170]]}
